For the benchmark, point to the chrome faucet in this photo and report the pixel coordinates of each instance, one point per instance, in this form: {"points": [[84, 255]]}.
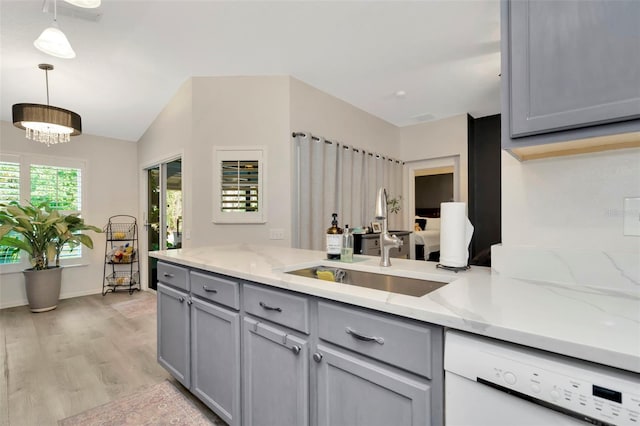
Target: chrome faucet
{"points": [[386, 241]]}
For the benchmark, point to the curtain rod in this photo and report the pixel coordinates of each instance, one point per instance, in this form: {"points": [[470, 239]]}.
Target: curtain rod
{"points": [[371, 154]]}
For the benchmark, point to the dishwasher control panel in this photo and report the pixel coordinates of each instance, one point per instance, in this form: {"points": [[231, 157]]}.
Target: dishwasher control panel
{"points": [[584, 390]]}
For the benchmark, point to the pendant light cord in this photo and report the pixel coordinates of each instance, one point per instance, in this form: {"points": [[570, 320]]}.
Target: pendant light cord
{"points": [[46, 74]]}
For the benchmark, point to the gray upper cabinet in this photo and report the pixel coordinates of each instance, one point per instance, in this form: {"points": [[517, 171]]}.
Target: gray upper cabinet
{"points": [[173, 333], [275, 376], [570, 70], [355, 392], [215, 358]]}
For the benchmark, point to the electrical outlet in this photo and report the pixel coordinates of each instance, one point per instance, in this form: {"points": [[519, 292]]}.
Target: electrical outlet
{"points": [[276, 234], [632, 216]]}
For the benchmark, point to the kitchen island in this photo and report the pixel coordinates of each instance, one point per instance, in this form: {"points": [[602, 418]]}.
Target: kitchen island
{"points": [[586, 323]]}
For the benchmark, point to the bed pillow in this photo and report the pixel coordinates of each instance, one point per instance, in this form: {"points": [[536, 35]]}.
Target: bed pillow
{"points": [[433, 223]]}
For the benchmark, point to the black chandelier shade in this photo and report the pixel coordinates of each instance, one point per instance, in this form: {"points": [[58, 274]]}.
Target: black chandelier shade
{"points": [[46, 114]]}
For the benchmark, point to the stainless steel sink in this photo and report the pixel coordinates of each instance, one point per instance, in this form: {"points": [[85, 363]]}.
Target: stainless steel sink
{"points": [[390, 283]]}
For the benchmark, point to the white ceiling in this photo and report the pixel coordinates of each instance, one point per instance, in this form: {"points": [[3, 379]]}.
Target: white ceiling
{"points": [[444, 54]]}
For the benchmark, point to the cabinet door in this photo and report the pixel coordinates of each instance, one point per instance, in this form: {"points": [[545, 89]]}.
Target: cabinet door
{"points": [[358, 393], [215, 358], [275, 377], [572, 64], [173, 333]]}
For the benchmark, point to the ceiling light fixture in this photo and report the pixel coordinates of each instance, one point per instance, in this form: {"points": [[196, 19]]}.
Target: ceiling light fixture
{"points": [[53, 42], [87, 4], [44, 123]]}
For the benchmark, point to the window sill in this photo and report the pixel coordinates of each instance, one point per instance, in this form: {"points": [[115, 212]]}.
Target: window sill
{"points": [[17, 269]]}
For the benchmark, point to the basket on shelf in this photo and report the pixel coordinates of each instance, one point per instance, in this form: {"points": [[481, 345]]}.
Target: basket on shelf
{"points": [[120, 231], [119, 278], [122, 254]]}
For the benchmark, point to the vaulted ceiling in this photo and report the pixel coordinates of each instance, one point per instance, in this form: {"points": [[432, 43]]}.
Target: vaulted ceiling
{"points": [[133, 55]]}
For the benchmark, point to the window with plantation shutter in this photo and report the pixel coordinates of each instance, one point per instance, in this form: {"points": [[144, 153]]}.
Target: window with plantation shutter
{"points": [[9, 191], [61, 186], [35, 179], [238, 185]]}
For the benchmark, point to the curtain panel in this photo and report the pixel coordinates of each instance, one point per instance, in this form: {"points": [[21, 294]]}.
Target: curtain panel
{"points": [[337, 178]]}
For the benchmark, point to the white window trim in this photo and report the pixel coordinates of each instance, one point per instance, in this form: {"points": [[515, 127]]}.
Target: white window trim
{"points": [[234, 153], [25, 161]]}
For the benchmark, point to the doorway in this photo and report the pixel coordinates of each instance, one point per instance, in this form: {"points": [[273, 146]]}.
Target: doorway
{"points": [[164, 211]]}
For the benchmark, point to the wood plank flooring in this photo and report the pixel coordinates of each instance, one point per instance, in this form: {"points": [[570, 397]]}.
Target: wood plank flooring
{"points": [[83, 354]]}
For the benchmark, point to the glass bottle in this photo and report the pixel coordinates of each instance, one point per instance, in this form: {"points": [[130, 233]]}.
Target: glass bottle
{"points": [[346, 253]]}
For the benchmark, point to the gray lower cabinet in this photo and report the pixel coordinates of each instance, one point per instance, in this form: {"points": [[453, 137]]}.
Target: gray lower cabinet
{"points": [[356, 392], [215, 358], [173, 333], [570, 70], [286, 359], [276, 378]]}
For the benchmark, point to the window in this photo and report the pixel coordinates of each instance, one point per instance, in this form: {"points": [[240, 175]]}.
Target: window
{"points": [[9, 191], [238, 185], [39, 179]]}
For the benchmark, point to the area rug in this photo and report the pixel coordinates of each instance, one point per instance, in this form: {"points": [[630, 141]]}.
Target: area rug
{"points": [[136, 307], [161, 404]]}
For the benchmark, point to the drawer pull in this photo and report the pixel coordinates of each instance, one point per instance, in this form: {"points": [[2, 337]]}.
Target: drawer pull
{"points": [[269, 308], [167, 275], [209, 290], [364, 338], [296, 349]]}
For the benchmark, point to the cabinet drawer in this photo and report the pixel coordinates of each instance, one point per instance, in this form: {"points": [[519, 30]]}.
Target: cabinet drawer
{"points": [[277, 306], [173, 275], [378, 336], [216, 289]]}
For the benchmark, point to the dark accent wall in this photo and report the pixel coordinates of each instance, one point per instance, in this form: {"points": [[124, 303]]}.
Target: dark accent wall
{"points": [[484, 182], [432, 190]]}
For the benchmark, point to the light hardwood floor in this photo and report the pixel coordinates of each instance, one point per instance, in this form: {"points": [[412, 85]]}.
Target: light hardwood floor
{"points": [[83, 354]]}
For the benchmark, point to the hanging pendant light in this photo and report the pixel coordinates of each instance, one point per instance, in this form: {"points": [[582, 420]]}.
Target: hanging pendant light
{"points": [[44, 123], [53, 42]]}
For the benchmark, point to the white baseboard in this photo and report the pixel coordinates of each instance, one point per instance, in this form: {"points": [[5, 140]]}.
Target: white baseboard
{"points": [[23, 302]]}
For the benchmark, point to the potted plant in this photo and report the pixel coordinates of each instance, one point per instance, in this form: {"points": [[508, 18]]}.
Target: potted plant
{"points": [[42, 232]]}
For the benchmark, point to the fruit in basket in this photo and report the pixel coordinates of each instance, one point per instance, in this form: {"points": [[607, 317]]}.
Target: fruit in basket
{"points": [[120, 280], [128, 250], [119, 235]]}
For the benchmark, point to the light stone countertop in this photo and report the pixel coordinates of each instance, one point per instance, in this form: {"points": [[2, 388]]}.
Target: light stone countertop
{"points": [[590, 323]]}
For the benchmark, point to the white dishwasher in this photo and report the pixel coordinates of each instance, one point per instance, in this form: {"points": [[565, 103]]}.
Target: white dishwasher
{"points": [[489, 382]]}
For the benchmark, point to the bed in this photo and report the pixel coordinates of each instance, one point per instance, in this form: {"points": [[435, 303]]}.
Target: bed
{"points": [[427, 240]]}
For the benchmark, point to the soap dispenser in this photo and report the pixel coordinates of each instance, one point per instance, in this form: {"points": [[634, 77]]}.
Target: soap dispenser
{"points": [[334, 239]]}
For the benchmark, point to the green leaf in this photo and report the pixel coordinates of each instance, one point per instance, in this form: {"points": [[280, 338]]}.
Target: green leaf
{"points": [[17, 243], [84, 239]]}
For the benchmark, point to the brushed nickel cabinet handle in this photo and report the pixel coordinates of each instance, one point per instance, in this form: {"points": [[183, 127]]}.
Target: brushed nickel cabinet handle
{"points": [[296, 349], [181, 299], [269, 308], [209, 290], [166, 275], [317, 357], [364, 337]]}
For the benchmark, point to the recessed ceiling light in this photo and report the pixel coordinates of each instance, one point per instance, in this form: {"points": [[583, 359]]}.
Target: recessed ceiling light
{"points": [[401, 94]]}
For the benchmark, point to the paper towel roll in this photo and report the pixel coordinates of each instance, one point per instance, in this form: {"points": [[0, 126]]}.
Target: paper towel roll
{"points": [[455, 234]]}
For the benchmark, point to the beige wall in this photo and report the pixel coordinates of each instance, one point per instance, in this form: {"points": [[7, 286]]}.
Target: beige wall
{"points": [[110, 189], [439, 142], [240, 111], [323, 115], [168, 137], [570, 202]]}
